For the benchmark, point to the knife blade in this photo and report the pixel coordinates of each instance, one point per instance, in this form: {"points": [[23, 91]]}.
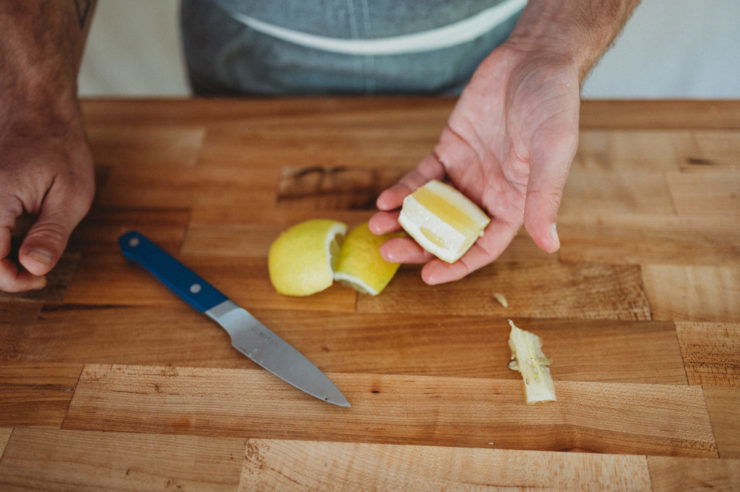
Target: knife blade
{"points": [[248, 335]]}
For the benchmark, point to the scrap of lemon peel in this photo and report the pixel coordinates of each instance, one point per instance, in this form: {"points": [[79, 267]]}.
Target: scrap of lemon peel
{"points": [[501, 299], [528, 359]]}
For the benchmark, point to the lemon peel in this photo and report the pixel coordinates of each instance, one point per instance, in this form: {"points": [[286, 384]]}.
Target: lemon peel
{"points": [[360, 264], [301, 259]]}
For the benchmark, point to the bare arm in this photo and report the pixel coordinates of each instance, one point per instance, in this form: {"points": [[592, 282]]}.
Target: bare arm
{"points": [[578, 29], [512, 136], [45, 163]]}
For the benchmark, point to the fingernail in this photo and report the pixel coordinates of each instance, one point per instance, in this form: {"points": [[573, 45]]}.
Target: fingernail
{"points": [[388, 256], [40, 255], [554, 235]]}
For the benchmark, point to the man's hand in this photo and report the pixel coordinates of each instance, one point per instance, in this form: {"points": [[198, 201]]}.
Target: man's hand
{"points": [[45, 164], [46, 171], [512, 136], [508, 146]]}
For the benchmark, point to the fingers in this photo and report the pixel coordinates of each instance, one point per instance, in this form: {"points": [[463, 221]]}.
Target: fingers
{"points": [[9, 212], [549, 172], [497, 236], [44, 244], [384, 222], [13, 279], [404, 250], [428, 169]]}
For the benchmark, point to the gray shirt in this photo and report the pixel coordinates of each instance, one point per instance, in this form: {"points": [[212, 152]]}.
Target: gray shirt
{"points": [[340, 46]]}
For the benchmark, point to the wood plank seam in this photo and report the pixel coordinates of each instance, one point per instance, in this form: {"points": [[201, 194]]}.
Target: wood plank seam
{"points": [[683, 358], [711, 422], [10, 436], [74, 390], [650, 476]]}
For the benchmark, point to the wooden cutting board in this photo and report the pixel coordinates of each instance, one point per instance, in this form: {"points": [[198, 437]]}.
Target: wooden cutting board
{"points": [[108, 381]]}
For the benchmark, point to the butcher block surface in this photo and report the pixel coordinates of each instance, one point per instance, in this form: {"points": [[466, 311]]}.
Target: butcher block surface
{"points": [[108, 381]]}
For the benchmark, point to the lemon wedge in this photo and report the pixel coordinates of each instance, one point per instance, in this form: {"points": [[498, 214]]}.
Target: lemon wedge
{"points": [[360, 264], [301, 259], [442, 220]]}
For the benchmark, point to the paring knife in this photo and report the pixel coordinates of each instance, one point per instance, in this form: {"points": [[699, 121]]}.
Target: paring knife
{"points": [[248, 335]]}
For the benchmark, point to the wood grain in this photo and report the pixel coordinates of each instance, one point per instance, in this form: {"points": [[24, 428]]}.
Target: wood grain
{"points": [[664, 113], [145, 145], [723, 405], [15, 322], [334, 188], [614, 191], [36, 393], [326, 141], [711, 352], [669, 474], [242, 188], [706, 194], [57, 282], [596, 113], [693, 293], [708, 151], [100, 230], [633, 152], [266, 111], [466, 346], [533, 289], [244, 280], [47, 459], [648, 238], [4, 437], [469, 412], [638, 311], [16, 314], [301, 465]]}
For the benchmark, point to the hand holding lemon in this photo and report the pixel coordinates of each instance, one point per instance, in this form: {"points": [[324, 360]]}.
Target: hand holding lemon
{"points": [[308, 257]]}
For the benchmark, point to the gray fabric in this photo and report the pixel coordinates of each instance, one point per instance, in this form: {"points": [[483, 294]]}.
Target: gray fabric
{"points": [[226, 57]]}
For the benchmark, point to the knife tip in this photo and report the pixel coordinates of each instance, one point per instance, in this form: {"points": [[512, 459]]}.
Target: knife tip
{"points": [[340, 403]]}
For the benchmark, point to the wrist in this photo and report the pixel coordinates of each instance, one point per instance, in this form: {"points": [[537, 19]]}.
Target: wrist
{"points": [[570, 29]]}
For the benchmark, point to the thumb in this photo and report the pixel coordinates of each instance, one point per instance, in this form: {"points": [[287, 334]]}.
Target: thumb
{"points": [[549, 172], [47, 238]]}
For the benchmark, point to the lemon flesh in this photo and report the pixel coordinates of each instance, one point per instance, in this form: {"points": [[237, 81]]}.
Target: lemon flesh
{"points": [[301, 259], [442, 220], [360, 264]]}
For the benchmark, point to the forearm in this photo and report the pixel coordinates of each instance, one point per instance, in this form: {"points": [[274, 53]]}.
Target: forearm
{"points": [[581, 30], [40, 55]]}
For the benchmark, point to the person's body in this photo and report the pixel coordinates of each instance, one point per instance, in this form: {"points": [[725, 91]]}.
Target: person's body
{"points": [[508, 143]]}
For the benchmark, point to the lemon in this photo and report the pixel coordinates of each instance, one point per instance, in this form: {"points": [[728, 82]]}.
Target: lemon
{"points": [[301, 259], [442, 220], [360, 264]]}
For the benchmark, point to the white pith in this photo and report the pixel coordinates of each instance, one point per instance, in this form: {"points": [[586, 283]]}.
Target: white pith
{"points": [[414, 216]]}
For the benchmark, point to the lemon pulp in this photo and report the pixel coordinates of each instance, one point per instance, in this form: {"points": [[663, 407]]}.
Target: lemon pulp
{"points": [[442, 220]]}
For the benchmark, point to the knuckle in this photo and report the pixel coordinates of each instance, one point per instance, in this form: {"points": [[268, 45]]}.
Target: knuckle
{"points": [[50, 232]]}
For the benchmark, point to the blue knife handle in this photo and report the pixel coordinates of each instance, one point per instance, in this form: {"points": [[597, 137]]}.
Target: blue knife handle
{"points": [[177, 277]]}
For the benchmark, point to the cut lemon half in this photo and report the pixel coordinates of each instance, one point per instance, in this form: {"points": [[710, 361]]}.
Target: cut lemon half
{"points": [[301, 259], [442, 220], [360, 264]]}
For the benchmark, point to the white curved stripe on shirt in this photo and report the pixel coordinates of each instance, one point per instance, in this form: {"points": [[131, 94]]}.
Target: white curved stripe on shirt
{"points": [[434, 39]]}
